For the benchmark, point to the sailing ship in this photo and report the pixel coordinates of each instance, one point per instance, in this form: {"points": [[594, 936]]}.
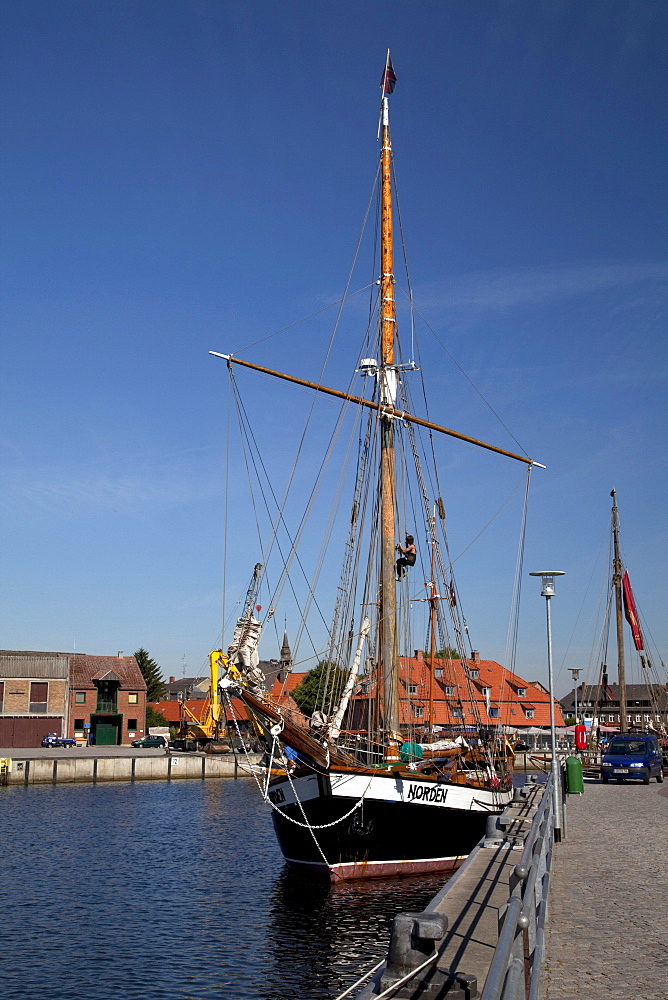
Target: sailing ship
{"points": [[642, 706], [381, 797]]}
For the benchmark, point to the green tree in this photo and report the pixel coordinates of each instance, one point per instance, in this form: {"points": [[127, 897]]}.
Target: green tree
{"points": [[154, 718], [447, 653], [318, 686], [150, 671]]}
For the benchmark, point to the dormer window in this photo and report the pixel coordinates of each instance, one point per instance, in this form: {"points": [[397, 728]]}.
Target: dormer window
{"points": [[473, 674], [438, 672], [449, 690], [486, 691], [521, 692], [412, 688]]}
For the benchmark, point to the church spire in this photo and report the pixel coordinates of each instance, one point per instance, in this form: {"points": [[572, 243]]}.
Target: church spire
{"points": [[286, 658], [286, 653]]}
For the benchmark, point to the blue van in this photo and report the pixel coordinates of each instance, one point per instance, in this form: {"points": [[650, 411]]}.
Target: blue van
{"points": [[632, 755]]}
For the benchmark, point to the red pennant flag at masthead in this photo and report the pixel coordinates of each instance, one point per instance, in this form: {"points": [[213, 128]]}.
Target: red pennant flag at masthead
{"points": [[389, 77], [631, 612]]}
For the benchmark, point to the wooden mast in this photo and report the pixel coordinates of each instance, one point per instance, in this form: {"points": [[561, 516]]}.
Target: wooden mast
{"points": [[387, 377], [432, 610], [617, 581]]}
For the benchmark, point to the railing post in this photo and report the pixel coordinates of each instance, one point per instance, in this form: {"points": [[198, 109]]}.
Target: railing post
{"points": [[562, 782]]}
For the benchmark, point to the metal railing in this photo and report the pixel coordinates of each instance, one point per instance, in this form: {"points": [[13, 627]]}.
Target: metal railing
{"points": [[515, 970]]}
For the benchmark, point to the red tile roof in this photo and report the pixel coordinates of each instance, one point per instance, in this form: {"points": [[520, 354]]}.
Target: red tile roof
{"points": [[85, 669], [172, 709], [288, 685], [503, 694]]}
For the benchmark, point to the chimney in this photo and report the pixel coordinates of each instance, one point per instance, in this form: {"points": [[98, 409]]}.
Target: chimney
{"points": [[419, 655], [475, 656], [172, 680], [120, 654]]}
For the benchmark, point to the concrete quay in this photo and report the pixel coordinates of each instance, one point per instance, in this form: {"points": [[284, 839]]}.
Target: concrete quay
{"points": [[32, 766], [607, 929], [473, 903], [606, 922]]}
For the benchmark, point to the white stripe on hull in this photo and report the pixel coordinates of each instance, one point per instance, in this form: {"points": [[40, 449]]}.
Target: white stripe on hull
{"points": [[392, 788]]}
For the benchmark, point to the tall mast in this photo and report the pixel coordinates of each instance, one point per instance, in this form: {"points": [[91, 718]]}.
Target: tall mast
{"points": [[617, 581], [387, 389], [432, 608]]}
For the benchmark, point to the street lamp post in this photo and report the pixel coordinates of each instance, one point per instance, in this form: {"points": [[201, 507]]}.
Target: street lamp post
{"points": [[547, 592], [575, 673]]}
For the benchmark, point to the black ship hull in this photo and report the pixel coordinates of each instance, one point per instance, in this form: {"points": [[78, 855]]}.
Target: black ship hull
{"points": [[393, 827]]}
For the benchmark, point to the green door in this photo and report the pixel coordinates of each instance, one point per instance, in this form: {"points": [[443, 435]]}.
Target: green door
{"points": [[105, 735]]}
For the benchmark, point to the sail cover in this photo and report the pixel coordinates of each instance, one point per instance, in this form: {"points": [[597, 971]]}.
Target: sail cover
{"points": [[631, 612], [242, 651]]}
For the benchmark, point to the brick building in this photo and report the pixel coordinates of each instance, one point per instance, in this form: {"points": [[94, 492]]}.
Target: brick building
{"points": [[462, 692], [108, 693], [646, 705], [34, 690], [71, 694]]}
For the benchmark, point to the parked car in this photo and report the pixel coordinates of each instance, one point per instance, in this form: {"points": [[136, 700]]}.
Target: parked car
{"points": [[521, 747], [632, 755], [150, 741], [54, 740]]}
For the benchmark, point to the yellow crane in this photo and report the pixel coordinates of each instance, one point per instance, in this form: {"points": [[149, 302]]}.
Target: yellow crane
{"points": [[209, 730]]}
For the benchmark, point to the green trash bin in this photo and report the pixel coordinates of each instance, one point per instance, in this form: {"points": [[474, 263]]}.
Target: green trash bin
{"points": [[574, 782]]}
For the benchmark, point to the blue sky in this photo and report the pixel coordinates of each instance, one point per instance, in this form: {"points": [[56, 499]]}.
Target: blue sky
{"points": [[180, 177]]}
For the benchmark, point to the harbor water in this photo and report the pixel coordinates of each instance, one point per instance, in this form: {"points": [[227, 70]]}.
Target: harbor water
{"points": [[175, 891]]}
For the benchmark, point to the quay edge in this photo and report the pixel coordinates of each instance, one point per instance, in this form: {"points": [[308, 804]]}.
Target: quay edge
{"points": [[29, 769]]}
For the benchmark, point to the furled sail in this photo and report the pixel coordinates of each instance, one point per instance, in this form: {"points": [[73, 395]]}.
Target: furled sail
{"points": [[243, 654]]}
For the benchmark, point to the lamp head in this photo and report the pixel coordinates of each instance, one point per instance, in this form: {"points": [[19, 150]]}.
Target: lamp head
{"points": [[548, 580]]}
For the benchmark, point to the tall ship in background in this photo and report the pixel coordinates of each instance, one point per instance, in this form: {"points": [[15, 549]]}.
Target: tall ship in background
{"points": [[374, 791], [638, 700]]}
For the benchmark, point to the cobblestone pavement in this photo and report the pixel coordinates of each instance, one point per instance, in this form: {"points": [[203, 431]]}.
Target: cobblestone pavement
{"points": [[607, 932]]}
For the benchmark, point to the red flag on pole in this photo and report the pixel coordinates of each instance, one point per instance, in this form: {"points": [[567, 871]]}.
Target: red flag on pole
{"points": [[389, 77], [631, 612]]}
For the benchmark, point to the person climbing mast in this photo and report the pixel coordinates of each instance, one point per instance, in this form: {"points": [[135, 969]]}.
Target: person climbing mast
{"points": [[407, 557]]}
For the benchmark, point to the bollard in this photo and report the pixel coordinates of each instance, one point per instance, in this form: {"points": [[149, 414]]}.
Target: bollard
{"points": [[440, 985], [414, 937], [496, 829]]}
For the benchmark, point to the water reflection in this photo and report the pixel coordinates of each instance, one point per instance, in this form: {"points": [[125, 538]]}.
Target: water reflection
{"points": [[321, 937], [175, 891]]}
